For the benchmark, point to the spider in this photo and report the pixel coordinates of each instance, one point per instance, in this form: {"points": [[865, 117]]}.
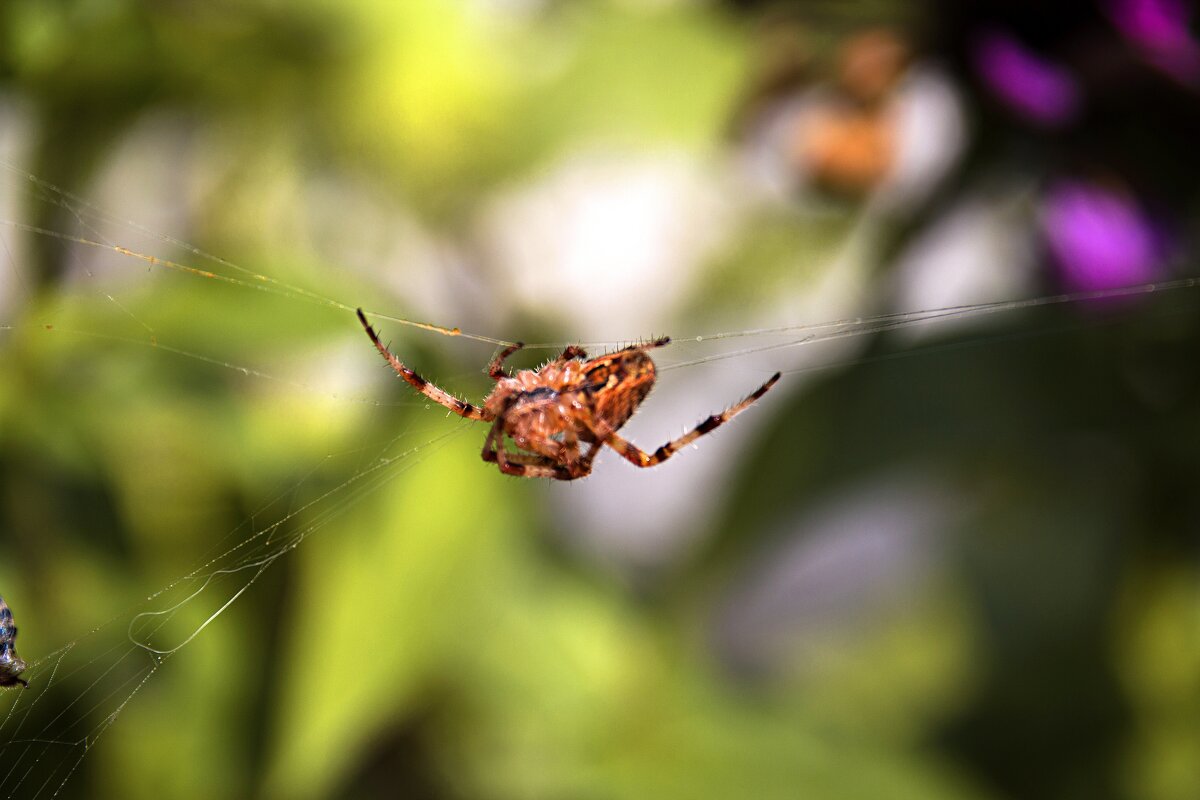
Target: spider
{"points": [[11, 665], [550, 412]]}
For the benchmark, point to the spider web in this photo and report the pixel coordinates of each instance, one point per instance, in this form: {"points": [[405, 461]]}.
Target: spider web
{"points": [[81, 688], [85, 685]]}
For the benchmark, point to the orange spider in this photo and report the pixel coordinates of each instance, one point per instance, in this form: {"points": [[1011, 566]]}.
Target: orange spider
{"points": [[550, 411]]}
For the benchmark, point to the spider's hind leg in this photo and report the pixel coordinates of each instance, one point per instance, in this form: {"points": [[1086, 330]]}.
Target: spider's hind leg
{"points": [[638, 457]]}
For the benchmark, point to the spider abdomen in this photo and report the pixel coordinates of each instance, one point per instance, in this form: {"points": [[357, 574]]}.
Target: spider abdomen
{"points": [[617, 385]]}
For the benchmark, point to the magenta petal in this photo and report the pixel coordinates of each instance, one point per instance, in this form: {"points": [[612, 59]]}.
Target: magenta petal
{"points": [[1034, 87], [1101, 239], [1161, 32], [1161, 24]]}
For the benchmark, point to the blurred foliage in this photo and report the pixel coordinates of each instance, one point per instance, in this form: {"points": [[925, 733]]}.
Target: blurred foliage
{"points": [[437, 635]]}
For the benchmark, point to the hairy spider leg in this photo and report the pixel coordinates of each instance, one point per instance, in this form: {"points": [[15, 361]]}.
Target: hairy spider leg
{"points": [[569, 472], [661, 341], [600, 434], [522, 465], [532, 465], [434, 393], [496, 368], [573, 352], [640, 458]]}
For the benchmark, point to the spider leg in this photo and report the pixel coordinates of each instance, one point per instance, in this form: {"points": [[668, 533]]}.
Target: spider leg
{"points": [[526, 465], [489, 444], [640, 458], [600, 436], [529, 465], [661, 341], [572, 352], [568, 454], [496, 368], [434, 393]]}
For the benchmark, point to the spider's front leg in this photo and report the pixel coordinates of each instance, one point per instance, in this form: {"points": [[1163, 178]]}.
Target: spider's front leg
{"points": [[434, 393], [573, 352], [653, 344], [496, 368]]}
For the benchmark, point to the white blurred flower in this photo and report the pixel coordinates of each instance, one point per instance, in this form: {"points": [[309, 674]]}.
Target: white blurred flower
{"points": [[980, 252], [605, 245]]}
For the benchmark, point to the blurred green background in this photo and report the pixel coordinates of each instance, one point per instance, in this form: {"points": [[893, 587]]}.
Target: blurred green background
{"points": [[956, 563]]}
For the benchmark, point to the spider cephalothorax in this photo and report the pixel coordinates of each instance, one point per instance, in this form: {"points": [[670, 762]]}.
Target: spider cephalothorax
{"points": [[550, 412]]}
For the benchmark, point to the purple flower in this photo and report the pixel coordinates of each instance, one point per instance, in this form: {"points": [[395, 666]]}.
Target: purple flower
{"points": [[1101, 238], [1032, 86], [1159, 28]]}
